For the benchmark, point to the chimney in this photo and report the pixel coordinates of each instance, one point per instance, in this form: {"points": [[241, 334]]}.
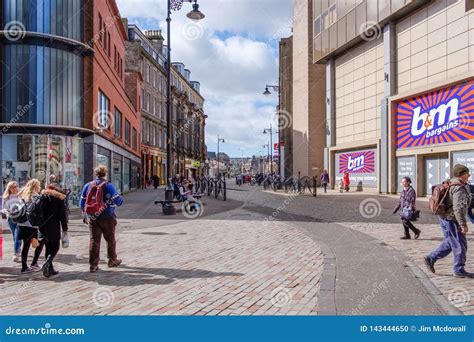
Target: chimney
{"points": [[156, 38]]}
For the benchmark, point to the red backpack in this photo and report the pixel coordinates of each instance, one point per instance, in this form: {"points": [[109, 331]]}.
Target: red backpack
{"points": [[95, 204]]}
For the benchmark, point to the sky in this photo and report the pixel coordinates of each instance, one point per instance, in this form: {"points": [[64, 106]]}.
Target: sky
{"points": [[233, 53]]}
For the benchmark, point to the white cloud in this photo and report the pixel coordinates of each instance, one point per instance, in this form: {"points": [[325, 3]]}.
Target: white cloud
{"points": [[233, 53]]}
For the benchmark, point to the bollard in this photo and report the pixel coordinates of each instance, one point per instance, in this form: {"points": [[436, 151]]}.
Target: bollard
{"points": [[315, 187], [168, 207]]}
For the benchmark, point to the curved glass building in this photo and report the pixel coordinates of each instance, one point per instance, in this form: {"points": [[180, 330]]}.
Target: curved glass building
{"points": [[41, 103]]}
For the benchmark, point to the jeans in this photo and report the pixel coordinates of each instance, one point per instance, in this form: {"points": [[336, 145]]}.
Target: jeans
{"points": [[15, 229], [454, 241], [325, 187]]}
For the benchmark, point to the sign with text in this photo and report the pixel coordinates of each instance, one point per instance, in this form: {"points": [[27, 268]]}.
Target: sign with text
{"points": [[465, 158], [438, 117], [361, 165], [406, 167]]}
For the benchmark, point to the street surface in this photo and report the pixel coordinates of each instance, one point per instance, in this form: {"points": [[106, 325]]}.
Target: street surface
{"points": [[258, 253]]}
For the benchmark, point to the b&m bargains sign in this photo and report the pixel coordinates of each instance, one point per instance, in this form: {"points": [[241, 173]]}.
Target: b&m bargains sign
{"points": [[442, 116], [357, 162]]}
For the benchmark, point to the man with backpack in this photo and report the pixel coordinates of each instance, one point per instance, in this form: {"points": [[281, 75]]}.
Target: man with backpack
{"points": [[450, 201], [98, 201]]}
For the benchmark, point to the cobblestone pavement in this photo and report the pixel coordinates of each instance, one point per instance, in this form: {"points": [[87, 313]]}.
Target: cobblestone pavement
{"points": [[226, 264], [371, 214]]}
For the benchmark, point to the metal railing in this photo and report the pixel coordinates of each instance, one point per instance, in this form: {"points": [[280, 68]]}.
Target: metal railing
{"points": [[292, 184], [212, 186]]}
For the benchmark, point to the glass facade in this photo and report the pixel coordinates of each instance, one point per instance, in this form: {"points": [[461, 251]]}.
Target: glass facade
{"points": [[56, 17], [39, 156], [41, 85]]}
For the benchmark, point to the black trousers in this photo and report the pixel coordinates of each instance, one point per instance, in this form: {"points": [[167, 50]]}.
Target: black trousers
{"points": [[52, 249], [407, 225]]}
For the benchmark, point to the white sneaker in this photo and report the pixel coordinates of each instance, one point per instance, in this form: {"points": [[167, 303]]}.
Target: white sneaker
{"points": [[16, 258]]}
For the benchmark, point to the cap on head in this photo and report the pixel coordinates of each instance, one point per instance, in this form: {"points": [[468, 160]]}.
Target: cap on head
{"points": [[460, 170]]}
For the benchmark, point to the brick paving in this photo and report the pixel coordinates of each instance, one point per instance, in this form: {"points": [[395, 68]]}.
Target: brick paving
{"points": [[378, 222], [226, 264]]}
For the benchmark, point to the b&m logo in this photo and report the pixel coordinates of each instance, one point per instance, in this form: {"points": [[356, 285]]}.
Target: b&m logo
{"points": [[357, 162], [443, 116]]}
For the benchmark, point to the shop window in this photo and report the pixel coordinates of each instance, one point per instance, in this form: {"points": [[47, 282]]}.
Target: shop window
{"points": [[127, 132]]}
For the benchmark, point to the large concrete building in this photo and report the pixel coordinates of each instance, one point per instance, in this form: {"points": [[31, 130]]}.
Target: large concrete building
{"points": [[399, 86], [309, 112]]}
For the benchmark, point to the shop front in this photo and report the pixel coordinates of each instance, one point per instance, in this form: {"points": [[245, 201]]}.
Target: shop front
{"points": [[153, 161], [432, 131], [25, 157], [362, 166]]}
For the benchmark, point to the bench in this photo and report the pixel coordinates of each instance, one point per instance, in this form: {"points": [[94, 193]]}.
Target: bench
{"points": [[196, 196]]}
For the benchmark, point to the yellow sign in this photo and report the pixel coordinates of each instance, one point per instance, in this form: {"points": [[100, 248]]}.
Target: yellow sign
{"points": [[197, 164]]}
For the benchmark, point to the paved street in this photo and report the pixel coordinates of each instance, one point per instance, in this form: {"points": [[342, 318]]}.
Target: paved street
{"points": [[259, 253]]}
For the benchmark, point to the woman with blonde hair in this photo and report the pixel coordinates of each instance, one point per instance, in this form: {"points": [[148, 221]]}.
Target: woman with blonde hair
{"points": [[9, 201], [28, 232]]}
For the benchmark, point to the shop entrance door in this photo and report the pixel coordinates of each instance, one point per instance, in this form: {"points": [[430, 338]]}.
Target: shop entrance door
{"points": [[436, 171]]}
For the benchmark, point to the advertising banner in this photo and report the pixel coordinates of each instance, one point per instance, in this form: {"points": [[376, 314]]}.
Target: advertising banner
{"points": [[438, 117], [361, 165]]}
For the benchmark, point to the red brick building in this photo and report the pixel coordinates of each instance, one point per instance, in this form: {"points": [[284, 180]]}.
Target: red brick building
{"points": [[113, 115]]}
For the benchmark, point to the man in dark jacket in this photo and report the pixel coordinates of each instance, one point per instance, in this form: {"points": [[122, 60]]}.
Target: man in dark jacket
{"points": [[104, 223], [454, 224]]}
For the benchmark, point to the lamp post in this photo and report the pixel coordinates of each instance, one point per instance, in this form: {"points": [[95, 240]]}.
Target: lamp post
{"points": [[265, 131], [219, 140], [267, 93], [195, 14], [268, 151]]}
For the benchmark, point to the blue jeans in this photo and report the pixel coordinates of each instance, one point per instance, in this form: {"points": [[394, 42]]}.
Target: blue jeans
{"points": [[453, 241], [15, 229]]}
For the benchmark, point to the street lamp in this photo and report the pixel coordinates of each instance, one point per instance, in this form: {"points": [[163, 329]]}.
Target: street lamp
{"points": [[268, 150], [219, 140], [267, 92], [241, 160], [265, 131]]}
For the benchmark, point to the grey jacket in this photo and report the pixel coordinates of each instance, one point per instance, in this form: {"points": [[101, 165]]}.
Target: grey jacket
{"points": [[457, 202]]}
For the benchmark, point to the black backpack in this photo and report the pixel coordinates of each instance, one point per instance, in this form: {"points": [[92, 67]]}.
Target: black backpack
{"points": [[18, 212], [35, 210]]}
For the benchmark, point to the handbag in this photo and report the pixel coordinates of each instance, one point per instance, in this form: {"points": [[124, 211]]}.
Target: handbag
{"points": [[409, 214]]}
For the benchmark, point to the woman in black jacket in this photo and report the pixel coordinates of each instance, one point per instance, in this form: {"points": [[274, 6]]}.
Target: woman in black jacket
{"points": [[407, 200], [55, 218]]}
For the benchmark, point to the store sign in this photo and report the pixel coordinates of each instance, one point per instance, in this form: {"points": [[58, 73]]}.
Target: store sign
{"points": [[361, 165], [465, 158], [442, 116], [358, 162], [406, 167]]}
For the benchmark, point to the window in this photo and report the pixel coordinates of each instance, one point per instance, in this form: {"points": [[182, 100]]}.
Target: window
{"points": [[118, 123], [101, 37], [108, 44], [115, 57], [134, 139], [469, 5], [104, 113], [127, 132]]}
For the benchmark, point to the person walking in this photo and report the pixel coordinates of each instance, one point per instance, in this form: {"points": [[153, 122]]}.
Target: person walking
{"points": [[347, 181], [454, 224], [28, 232], [324, 180], [98, 201], [55, 218], [407, 207], [9, 200]]}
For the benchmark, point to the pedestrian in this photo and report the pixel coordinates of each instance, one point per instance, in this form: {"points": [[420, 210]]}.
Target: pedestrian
{"points": [[156, 181], [325, 180], [55, 219], [454, 224], [28, 232], [407, 207], [98, 201], [347, 181], [9, 200]]}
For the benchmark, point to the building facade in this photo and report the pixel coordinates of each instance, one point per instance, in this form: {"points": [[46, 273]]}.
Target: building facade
{"points": [[42, 111], [398, 95], [285, 109], [309, 111], [145, 55], [109, 112], [188, 126]]}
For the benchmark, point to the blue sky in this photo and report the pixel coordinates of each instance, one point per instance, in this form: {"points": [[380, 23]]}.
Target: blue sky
{"points": [[233, 52]]}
